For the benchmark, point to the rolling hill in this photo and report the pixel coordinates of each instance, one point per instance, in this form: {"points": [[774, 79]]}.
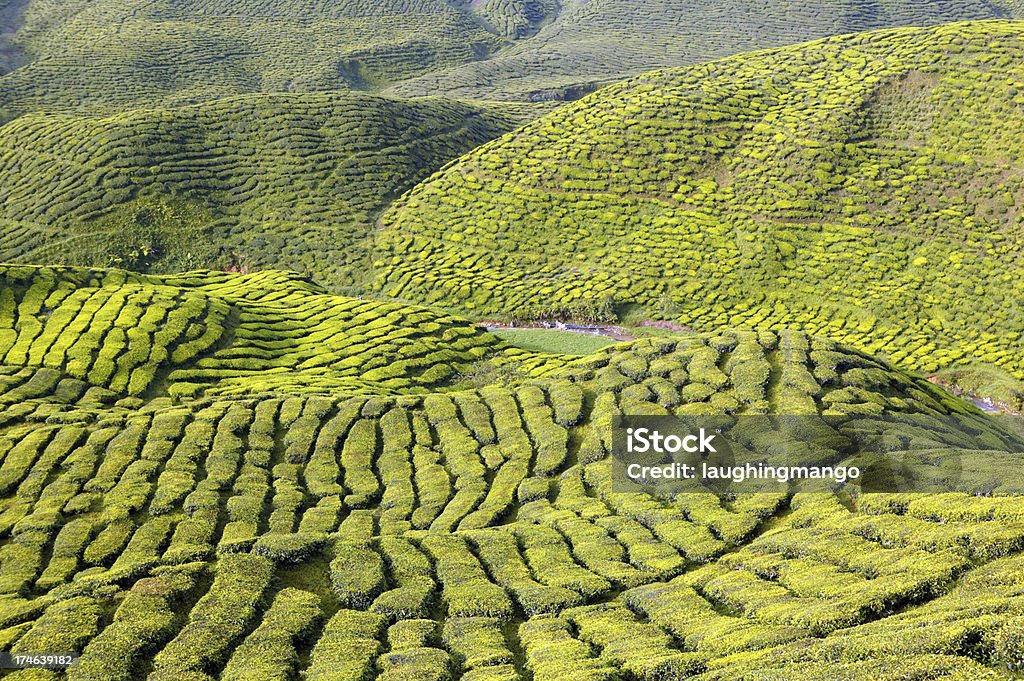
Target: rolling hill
{"points": [[108, 55], [865, 187], [288, 180], [600, 41], [218, 333], [111, 54], [259, 526]]}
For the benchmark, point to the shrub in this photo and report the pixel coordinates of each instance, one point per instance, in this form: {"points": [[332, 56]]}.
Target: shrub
{"points": [[476, 642], [412, 633], [269, 651], [290, 548], [143, 622], [347, 648], [357, 574], [220, 618], [467, 591], [65, 626]]}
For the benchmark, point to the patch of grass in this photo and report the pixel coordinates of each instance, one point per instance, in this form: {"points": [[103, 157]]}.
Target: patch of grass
{"points": [[312, 575], [554, 341]]}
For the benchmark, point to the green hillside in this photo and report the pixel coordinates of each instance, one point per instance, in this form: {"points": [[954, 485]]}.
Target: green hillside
{"points": [[865, 187], [600, 41], [287, 181], [218, 333], [456, 530], [113, 54], [116, 53], [253, 427]]}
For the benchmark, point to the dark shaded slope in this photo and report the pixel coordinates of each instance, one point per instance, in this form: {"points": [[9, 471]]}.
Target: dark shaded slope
{"points": [[288, 181]]}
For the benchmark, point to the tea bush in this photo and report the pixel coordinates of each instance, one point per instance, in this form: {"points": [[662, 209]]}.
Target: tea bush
{"points": [[298, 518]]}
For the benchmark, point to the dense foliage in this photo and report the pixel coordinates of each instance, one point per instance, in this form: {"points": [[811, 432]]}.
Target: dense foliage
{"points": [[600, 41], [112, 54], [107, 334], [865, 187], [288, 181], [214, 469], [244, 521]]}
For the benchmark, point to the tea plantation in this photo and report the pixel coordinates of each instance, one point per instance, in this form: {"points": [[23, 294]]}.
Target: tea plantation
{"points": [[864, 187], [243, 477], [112, 54], [107, 55], [287, 181], [251, 428], [601, 41]]}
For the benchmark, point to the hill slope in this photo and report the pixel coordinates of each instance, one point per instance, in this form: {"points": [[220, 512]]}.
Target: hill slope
{"points": [[112, 54], [473, 532], [116, 334], [601, 41], [288, 181], [868, 187]]}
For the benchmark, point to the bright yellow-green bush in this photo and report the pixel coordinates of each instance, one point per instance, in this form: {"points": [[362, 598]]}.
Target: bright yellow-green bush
{"points": [[232, 522]]}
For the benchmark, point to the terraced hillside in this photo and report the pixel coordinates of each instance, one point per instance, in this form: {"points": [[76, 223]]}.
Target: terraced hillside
{"points": [[865, 187], [601, 41], [112, 54], [103, 335], [287, 181], [464, 528]]}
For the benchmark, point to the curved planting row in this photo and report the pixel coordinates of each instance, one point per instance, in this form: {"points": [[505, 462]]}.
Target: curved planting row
{"points": [[279, 525], [123, 335], [285, 180]]}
